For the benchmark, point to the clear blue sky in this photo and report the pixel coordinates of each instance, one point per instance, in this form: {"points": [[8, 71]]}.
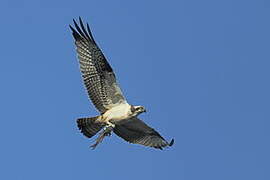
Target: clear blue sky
{"points": [[201, 68]]}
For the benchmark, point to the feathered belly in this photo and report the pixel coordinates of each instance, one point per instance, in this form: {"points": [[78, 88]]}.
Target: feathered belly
{"points": [[117, 113]]}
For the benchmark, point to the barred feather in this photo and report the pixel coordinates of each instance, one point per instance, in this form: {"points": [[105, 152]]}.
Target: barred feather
{"points": [[98, 76]]}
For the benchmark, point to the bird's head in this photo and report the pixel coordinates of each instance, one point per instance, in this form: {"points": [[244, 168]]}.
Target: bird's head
{"points": [[136, 110]]}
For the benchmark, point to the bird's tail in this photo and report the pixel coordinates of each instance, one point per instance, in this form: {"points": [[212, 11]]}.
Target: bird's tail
{"points": [[88, 126]]}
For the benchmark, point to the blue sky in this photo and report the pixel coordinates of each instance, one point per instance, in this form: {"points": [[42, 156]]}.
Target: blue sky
{"points": [[201, 68]]}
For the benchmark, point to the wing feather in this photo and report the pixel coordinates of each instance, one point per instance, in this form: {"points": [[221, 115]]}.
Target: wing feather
{"points": [[98, 76], [136, 131]]}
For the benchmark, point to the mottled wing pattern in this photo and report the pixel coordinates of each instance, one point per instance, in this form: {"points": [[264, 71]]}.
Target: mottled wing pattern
{"points": [[98, 76], [136, 131]]}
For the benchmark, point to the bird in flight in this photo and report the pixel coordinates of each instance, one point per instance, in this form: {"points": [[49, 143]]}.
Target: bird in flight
{"points": [[116, 114]]}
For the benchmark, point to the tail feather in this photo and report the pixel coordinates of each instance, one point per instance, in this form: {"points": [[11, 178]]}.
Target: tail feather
{"points": [[88, 126]]}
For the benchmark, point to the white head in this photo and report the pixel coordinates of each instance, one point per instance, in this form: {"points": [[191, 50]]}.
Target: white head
{"points": [[136, 110]]}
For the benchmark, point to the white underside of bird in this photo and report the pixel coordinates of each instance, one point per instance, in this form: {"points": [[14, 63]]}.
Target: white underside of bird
{"points": [[116, 114]]}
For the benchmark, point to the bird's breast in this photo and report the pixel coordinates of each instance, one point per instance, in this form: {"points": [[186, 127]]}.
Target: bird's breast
{"points": [[117, 113]]}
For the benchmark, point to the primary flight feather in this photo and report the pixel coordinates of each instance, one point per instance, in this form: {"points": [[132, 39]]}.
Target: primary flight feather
{"points": [[116, 114]]}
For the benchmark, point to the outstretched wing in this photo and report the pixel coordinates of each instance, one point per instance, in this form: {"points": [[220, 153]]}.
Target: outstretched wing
{"points": [[136, 131], [98, 76]]}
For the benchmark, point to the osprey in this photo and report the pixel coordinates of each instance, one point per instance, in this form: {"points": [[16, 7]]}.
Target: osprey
{"points": [[117, 114]]}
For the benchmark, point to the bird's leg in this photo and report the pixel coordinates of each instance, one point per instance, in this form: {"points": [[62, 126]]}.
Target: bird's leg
{"points": [[108, 128], [98, 140], [106, 132]]}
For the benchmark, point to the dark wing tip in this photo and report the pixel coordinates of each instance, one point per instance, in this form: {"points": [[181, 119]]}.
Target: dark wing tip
{"points": [[90, 33], [164, 145], [80, 32], [75, 34], [171, 143]]}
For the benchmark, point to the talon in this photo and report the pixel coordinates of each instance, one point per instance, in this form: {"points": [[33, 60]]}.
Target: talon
{"points": [[109, 124], [108, 134], [107, 130]]}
